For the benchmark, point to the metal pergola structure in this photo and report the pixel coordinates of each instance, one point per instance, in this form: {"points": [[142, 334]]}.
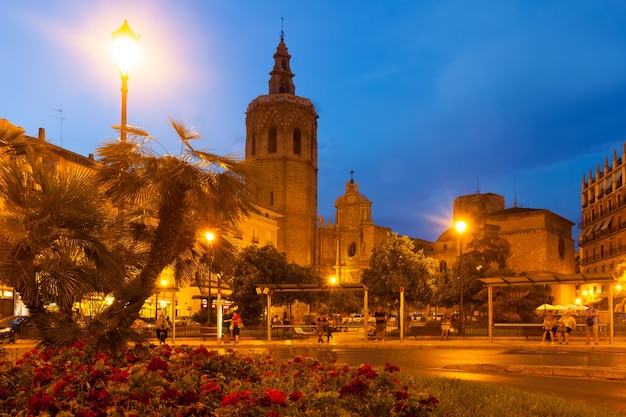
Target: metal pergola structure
{"points": [[550, 279], [269, 289]]}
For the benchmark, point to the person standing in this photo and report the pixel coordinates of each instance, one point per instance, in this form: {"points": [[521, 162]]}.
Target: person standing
{"points": [[237, 324], [567, 324], [591, 320], [319, 330], [549, 323], [161, 326], [227, 320], [381, 322], [445, 327]]}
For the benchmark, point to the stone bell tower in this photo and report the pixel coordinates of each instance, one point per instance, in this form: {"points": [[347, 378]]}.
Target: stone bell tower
{"points": [[281, 134]]}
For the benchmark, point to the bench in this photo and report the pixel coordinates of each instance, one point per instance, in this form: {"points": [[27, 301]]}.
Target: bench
{"points": [[208, 331], [298, 329], [527, 329], [300, 332], [425, 330]]}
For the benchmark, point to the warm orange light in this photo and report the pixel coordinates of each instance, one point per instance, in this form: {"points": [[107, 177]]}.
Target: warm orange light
{"points": [[125, 48], [210, 237], [332, 280], [460, 226]]}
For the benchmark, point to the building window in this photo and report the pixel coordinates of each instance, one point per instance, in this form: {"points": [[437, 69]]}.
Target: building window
{"points": [[297, 142], [271, 198], [253, 145], [352, 249], [271, 140], [255, 238], [561, 248]]}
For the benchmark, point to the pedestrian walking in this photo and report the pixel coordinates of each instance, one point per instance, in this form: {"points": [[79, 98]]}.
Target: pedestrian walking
{"points": [[591, 320], [381, 323]]}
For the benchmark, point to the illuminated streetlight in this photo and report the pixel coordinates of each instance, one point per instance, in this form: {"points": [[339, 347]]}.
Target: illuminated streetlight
{"points": [[460, 227], [332, 280], [125, 48], [210, 237]]}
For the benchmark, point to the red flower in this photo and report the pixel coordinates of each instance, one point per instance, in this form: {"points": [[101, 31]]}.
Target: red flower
{"points": [[41, 402], [209, 388], [170, 393], [142, 398], [157, 364], [402, 395], [236, 397], [391, 368], [295, 396], [367, 371], [356, 387], [274, 396], [189, 398]]}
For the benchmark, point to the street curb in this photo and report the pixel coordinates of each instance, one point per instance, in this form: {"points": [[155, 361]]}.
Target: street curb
{"points": [[561, 371]]}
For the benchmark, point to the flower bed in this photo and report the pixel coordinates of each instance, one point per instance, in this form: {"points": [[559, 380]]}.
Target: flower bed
{"points": [[189, 381]]}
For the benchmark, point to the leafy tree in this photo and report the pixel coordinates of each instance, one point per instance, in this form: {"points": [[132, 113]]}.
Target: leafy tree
{"points": [[265, 265], [167, 200], [69, 233], [58, 241], [515, 303], [495, 249], [395, 264]]}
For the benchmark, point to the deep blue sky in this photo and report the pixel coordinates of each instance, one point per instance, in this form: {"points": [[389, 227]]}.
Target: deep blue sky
{"points": [[424, 100]]}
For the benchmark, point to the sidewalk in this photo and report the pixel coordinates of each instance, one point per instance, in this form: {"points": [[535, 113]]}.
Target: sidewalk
{"points": [[354, 340]]}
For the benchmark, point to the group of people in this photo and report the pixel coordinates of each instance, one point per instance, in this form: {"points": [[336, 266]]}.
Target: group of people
{"points": [[323, 328], [559, 328], [231, 325]]}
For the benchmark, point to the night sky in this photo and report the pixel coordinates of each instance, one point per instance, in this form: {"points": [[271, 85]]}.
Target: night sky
{"points": [[423, 100]]}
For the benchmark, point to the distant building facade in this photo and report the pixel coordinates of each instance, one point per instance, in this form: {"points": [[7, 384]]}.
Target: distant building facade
{"points": [[343, 249], [603, 228]]}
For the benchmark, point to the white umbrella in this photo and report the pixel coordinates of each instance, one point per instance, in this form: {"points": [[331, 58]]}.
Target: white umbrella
{"points": [[545, 307]]}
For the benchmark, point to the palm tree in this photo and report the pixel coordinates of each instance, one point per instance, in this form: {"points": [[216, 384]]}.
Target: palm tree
{"points": [[56, 236], [166, 201]]}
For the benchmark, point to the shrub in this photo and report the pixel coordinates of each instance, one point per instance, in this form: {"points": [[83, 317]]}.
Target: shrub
{"points": [[189, 381]]}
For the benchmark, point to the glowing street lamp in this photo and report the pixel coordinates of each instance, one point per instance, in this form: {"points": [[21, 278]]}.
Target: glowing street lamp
{"points": [[460, 227], [210, 237], [125, 48]]}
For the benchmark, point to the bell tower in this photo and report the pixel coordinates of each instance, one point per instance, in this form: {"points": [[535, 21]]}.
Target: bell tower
{"points": [[281, 135]]}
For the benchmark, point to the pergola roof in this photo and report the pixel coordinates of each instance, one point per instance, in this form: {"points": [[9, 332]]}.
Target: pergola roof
{"points": [[548, 279], [313, 287]]}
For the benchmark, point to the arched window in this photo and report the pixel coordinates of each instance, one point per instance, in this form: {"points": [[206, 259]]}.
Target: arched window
{"points": [[352, 249], [271, 140], [297, 141]]}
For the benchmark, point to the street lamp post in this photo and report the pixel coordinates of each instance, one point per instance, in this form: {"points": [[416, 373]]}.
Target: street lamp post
{"points": [[210, 237], [460, 227], [125, 47]]}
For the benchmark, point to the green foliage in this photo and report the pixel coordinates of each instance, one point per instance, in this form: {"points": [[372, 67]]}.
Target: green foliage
{"points": [[265, 265], [58, 240], [395, 264], [67, 233]]}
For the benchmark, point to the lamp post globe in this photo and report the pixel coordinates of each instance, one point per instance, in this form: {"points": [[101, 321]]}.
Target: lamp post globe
{"points": [[125, 49]]}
